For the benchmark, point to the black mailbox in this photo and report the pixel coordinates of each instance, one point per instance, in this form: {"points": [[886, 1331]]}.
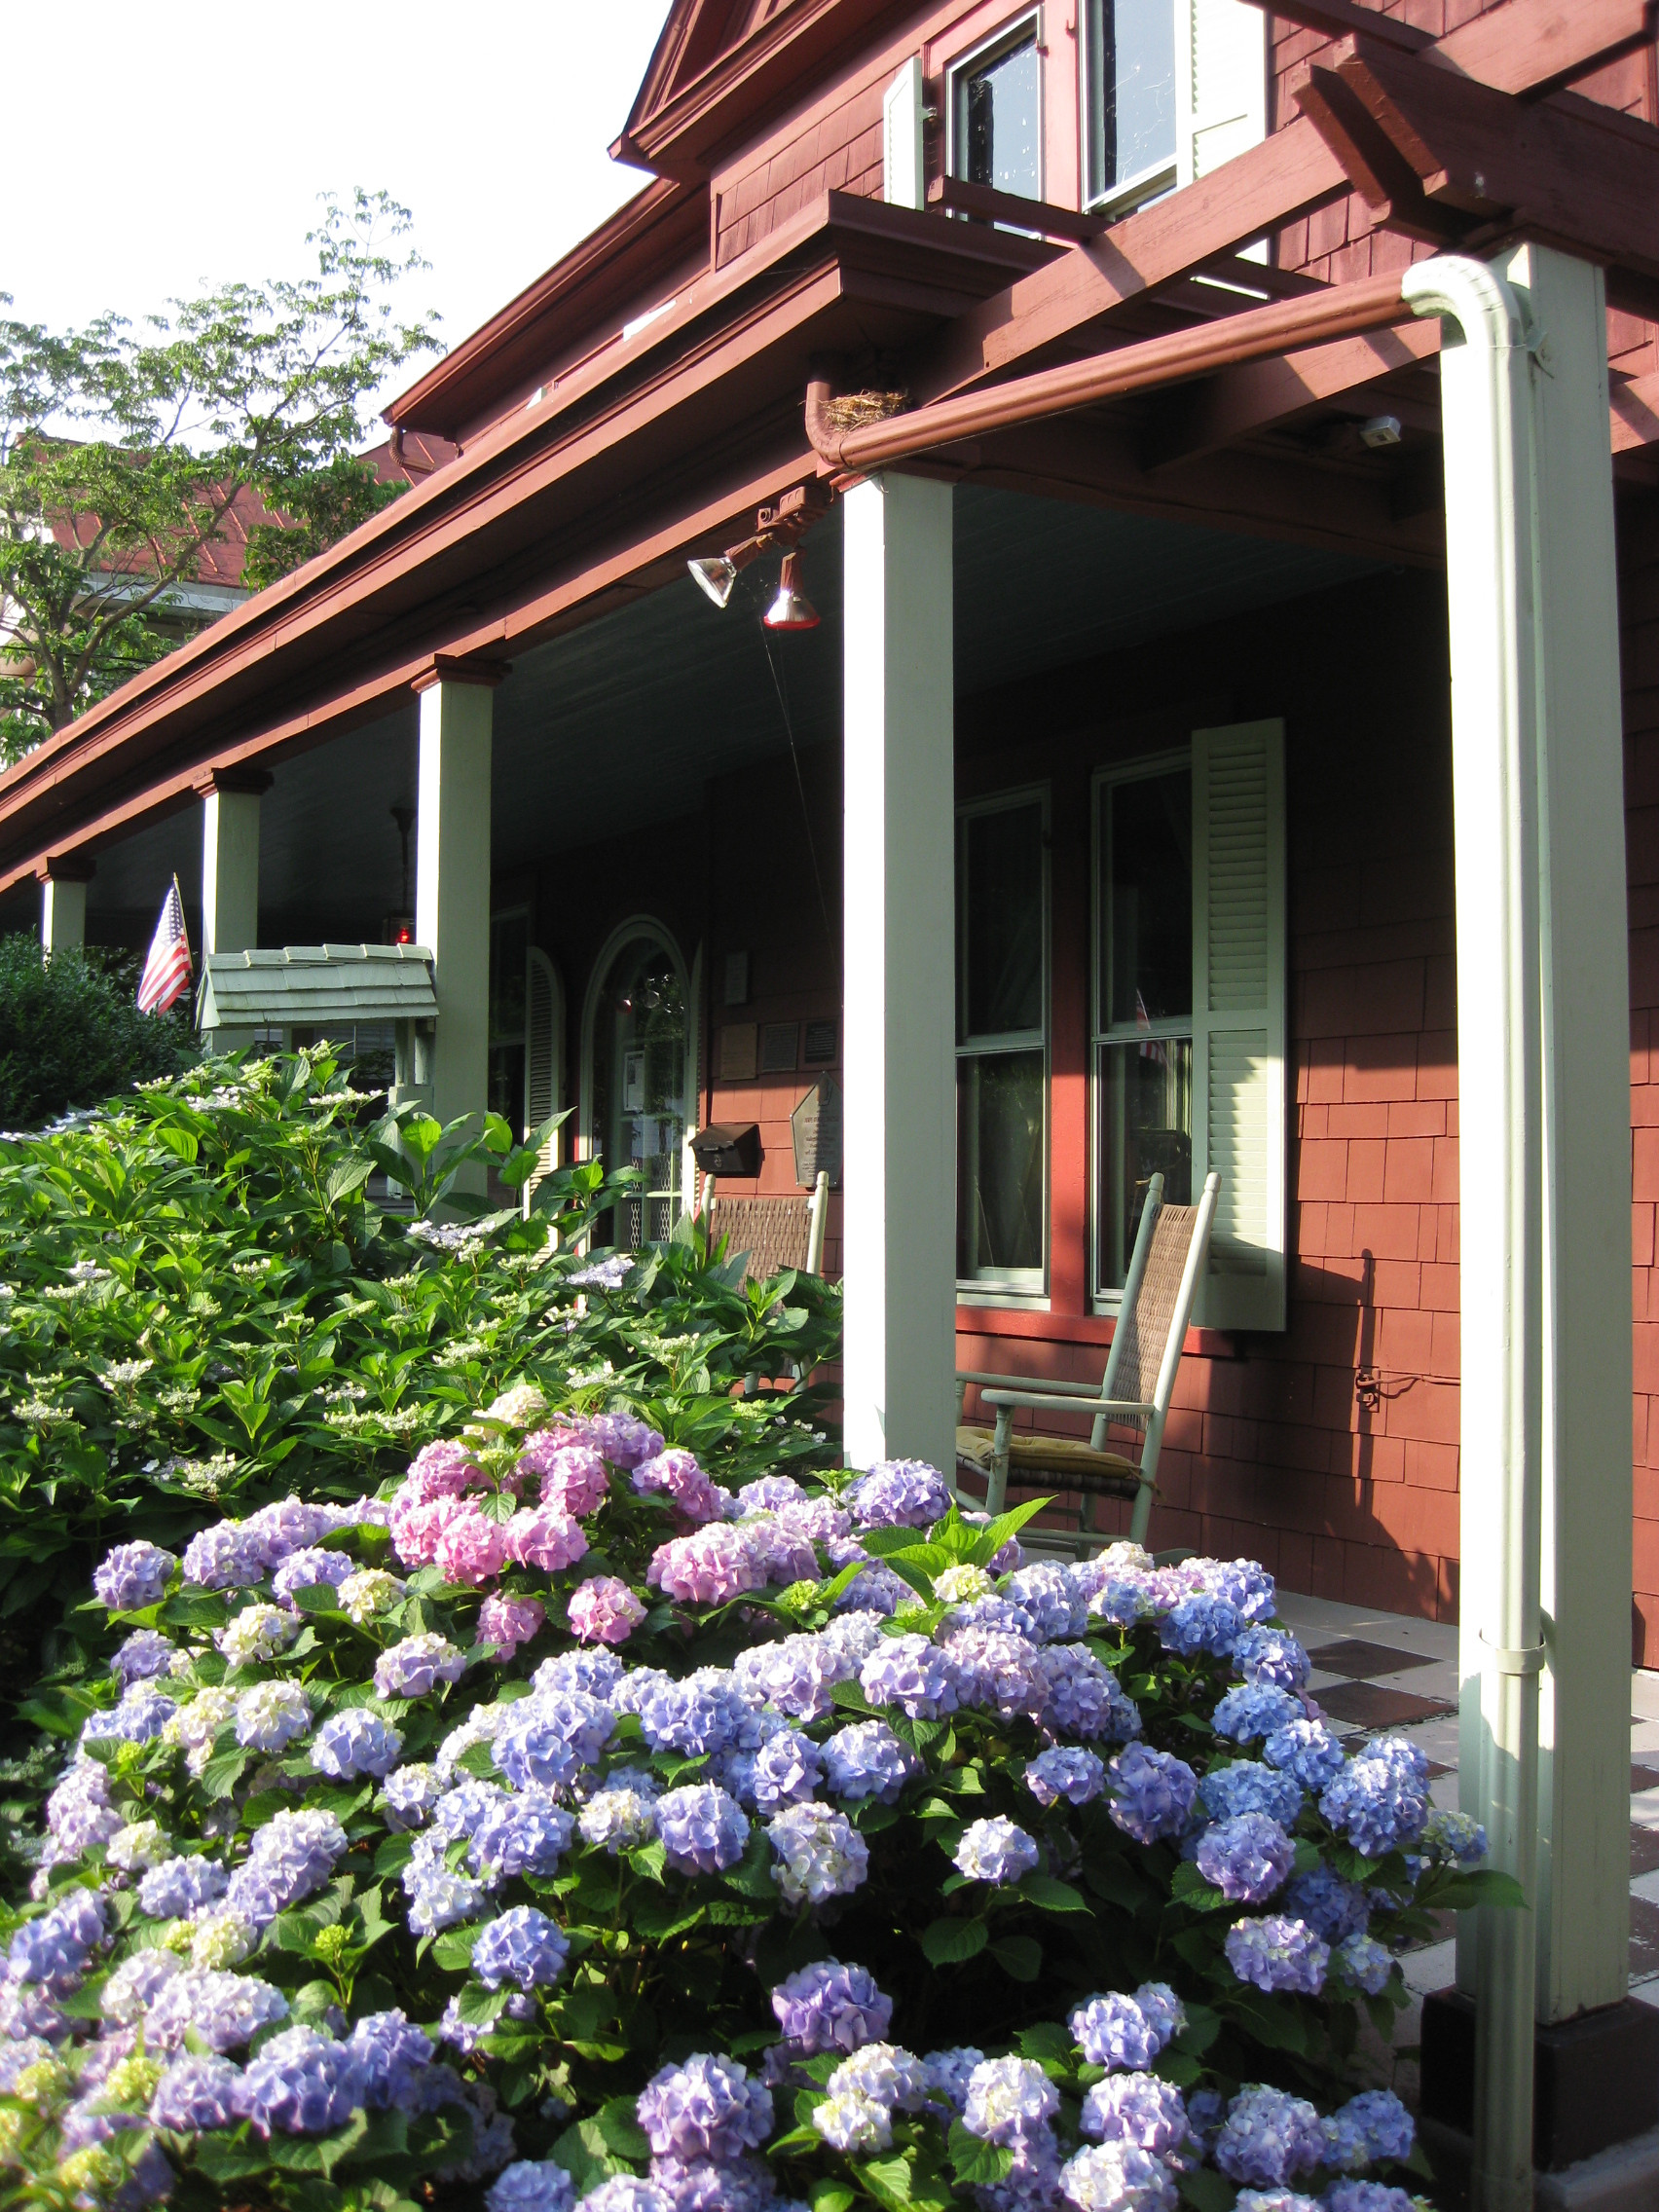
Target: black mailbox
{"points": [[727, 1148]]}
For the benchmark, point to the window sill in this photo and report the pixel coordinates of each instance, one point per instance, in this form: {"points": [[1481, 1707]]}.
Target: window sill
{"points": [[987, 1297]]}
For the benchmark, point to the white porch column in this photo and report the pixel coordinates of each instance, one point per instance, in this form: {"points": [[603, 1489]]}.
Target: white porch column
{"points": [[230, 872], [452, 875], [63, 905], [1543, 1079], [899, 1111]]}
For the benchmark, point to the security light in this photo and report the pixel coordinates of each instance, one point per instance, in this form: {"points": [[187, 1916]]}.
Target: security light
{"points": [[791, 610]]}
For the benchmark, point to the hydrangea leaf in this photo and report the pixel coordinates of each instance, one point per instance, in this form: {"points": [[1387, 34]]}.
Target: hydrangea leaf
{"points": [[620, 2130], [977, 2165], [948, 1942], [1053, 1895], [1206, 2191], [1020, 1957]]}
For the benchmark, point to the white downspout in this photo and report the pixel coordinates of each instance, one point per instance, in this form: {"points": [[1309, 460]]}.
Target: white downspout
{"points": [[1491, 486]]}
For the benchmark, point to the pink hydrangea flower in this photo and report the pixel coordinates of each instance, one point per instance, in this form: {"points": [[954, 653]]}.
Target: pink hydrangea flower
{"points": [[508, 1622], [605, 1610], [542, 1446], [781, 1555], [415, 1529], [575, 1480], [442, 1469], [544, 1537], [677, 1476], [471, 1547], [710, 1567]]}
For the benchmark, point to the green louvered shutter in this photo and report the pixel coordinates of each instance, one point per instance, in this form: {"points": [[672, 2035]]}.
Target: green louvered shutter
{"points": [[1238, 1018]]}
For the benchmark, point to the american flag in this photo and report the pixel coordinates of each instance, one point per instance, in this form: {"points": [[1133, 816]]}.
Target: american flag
{"points": [[167, 970]]}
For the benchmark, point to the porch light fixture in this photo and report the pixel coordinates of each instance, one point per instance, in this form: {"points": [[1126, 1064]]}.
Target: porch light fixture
{"points": [[714, 576], [791, 610], [1379, 430]]}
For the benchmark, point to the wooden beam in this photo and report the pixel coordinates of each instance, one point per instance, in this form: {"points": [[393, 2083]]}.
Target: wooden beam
{"points": [[1338, 18], [980, 202], [1634, 410], [1523, 45]]}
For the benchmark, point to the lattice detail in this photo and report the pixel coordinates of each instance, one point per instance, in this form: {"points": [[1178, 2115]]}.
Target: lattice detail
{"points": [[1145, 1327], [771, 1233]]}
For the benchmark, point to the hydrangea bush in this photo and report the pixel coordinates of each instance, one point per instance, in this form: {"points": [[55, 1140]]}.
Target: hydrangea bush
{"points": [[565, 1827]]}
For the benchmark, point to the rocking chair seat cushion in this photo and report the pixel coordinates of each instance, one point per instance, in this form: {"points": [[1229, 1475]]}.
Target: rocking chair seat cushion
{"points": [[1070, 1457]]}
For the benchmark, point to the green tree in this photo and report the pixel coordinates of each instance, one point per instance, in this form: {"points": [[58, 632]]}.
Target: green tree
{"points": [[123, 449]]}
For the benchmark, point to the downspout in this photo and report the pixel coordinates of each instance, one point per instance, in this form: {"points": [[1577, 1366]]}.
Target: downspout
{"points": [[1341, 311], [1489, 533]]}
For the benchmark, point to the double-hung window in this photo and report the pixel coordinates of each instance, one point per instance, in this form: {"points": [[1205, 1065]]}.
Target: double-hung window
{"points": [[1171, 90], [995, 111], [1002, 928], [1189, 1009]]}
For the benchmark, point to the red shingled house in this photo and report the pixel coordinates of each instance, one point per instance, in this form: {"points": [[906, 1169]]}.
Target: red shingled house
{"points": [[1105, 823]]}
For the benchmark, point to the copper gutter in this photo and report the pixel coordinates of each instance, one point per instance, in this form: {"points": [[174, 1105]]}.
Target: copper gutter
{"points": [[1341, 311]]}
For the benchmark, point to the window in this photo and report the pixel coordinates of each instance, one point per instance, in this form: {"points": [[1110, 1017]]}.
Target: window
{"points": [[1171, 90], [509, 945], [526, 1019], [996, 113], [638, 1072], [1001, 1032], [1189, 1009]]}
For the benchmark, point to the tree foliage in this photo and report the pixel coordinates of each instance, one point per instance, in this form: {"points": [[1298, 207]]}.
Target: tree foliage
{"points": [[123, 449], [71, 1033]]}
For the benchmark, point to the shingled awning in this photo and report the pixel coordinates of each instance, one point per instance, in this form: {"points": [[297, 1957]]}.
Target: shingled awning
{"points": [[315, 985]]}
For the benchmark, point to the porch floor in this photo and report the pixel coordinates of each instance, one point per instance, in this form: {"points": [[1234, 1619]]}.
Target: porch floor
{"points": [[1375, 1672]]}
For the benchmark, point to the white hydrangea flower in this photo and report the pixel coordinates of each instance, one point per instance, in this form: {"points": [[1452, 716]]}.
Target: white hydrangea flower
{"points": [[141, 1843], [368, 1592], [256, 1632]]}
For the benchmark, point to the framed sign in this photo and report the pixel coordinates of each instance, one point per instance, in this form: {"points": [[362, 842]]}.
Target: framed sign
{"points": [[816, 1127]]}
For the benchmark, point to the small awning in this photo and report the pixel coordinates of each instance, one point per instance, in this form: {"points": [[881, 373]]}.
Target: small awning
{"points": [[315, 985]]}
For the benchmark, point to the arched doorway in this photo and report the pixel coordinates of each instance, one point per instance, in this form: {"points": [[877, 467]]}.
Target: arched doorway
{"points": [[639, 1064]]}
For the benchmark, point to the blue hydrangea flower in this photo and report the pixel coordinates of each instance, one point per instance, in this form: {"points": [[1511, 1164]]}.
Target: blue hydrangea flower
{"points": [[1331, 1908], [197, 2094], [1272, 1655], [549, 1738], [144, 1655], [410, 1793], [1367, 1964], [295, 1852], [390, 2054], [1307, 1750], [301, 2081], [996, 1850], [134, 1576], [232, 1555], [1278, 1953], [831, 2007], [912, 1674], [1245, 1787], [414, 1667], [818, 1854], [139, 1718], [1048, 1591], [1248, 1588], [355, 1742], [311, 1569], [177, 1887], [524, 1834], [709, 2108], [899, 1494], [1255, 1708], [1370, 2129], [1117, 2177], [1152, 1792], [1200, 1623], [1268, 2138], [1275, 2200], [949, 2072], [1458, 1837], [531, 2185], [1117, 2030], [1085, 1698], [1247, 1858], [524, 1946], [703, 1829], [1008, 2099], [1365, 2196], [867, 1759], [57, 1949], [788, 1769], [1066, 1771], [1381, 1798], [595, 1672], [996, 1673], [1136, 2108], [224, 2010]]}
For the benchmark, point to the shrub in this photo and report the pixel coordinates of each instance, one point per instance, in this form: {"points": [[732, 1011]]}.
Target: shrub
{"points": [[71, 1033], [796, 1841]]}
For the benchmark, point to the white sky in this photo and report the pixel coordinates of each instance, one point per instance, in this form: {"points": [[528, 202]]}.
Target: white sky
{"points": [[186, 146]]}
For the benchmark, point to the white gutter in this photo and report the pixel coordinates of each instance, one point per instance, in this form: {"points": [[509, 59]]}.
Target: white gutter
{"points": [[1485, 370]]}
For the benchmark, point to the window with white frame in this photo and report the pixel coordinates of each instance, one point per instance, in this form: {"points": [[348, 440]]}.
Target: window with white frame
{"points": [[1171, 90], [1188, 1030], [994, 98], [1001, 1087]]}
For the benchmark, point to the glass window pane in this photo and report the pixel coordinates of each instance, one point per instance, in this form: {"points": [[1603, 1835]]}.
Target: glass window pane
{"points": [[509, 941], [1136, 74], [1000, 923], [1146, 1130], [638, 1074], [999, 1166], [999, 122], [1146, 962]]}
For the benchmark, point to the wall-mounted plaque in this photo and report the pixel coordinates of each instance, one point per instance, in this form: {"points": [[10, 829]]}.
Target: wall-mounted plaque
{"points": [[816, 1127], [777, 1043], [820, 1044], [739, 1042]]}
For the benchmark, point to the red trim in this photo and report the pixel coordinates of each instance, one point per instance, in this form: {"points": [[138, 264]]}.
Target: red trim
{"points": [[1038, 1327]]}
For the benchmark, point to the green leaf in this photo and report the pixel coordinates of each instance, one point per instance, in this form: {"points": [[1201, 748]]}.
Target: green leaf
{"points": [[1487, 1885], [1045, 2040], [453, 1949], [1052, 1895], [1019, 1956], [830, 2195], [622, 2131], [221, 1774], [888, 2180], [1207, 2191], [976, 2164], [948, 1942]]}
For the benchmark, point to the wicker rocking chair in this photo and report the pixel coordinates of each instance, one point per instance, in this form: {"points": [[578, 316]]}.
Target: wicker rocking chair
{"points": [[771, 1233], [1134, 1393]]}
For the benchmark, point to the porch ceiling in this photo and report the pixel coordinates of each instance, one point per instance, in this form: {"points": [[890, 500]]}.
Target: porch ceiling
{"points": [[620, 724]]}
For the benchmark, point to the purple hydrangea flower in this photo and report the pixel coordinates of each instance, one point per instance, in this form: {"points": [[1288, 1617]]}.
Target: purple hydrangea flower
{"points": [[355, 1742], [1381, 1798], [787, 1768], [1365, 2196], [950, 2071], [1367, 1964], [225, 2010], [196, 2095], [1308, 1752], [134, 1576], [1248, 1588], [996, 1850], [311, 1569], [819, 1852], [831, 2007], [1255, 1708], [1152, 1792], [1117, 2030], [301, 2081], [899, 1494], [794, 1676], [997, 1672], [1247, 1858], [524, 1946], [133, 1988], [410, 1793], [390, 2054], [702, 1828], [293, 1524], [1268, 2138], [1331, 1908], [677, 1476], [867, 1759], [550, 1736], [1136, 2108], [709, 2108], [146, 1654], [1200, 1623], [412, 1667], [1272, 1655], [178, 1887], [1048, 1593], [622, 1440], [531, 2185], [1278, 1953], [1067, 1770], [1007, 2100], [57, 1949], [912, 1674], [703, 1713], [527, 1833], [1085, 1698], [1455, 1836], [294, 1853], [1117, 2177], [1370, 2129], [1244, 1787], [139, 1718], [1276, 2200], [603, 1610], [229, 1556], [438, 1896]]}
